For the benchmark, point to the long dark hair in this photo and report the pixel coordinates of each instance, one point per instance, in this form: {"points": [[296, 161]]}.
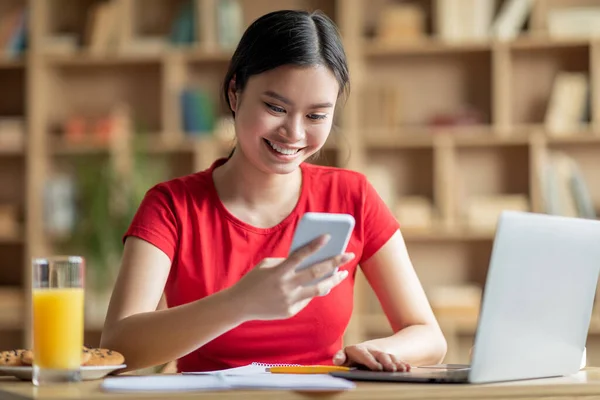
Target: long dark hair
{"points": [[287, 37]]}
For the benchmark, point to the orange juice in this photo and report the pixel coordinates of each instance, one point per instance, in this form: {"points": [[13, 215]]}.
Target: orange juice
{"points": [[58, 327]]}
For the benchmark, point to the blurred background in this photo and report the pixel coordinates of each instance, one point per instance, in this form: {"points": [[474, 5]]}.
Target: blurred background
{"points": [[459, 109]]}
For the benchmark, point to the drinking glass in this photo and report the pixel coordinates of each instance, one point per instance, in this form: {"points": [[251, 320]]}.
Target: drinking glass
{"points": [[58, 312]]}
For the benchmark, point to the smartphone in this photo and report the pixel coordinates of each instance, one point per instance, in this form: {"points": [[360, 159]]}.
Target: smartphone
{"points": [[314, 224]]}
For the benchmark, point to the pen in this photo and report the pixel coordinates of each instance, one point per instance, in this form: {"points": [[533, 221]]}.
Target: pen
{"points": [[307, 369]]}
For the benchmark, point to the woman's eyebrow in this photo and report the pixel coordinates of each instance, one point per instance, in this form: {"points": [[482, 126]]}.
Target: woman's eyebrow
{"points": [[287, 101]]}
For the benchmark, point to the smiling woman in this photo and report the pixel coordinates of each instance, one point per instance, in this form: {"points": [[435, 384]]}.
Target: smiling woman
{"points": [[216, 242]]}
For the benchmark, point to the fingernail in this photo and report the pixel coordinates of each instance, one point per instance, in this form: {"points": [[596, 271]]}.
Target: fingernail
{"points": [[347, 257], [325, 238], [343, 275]]}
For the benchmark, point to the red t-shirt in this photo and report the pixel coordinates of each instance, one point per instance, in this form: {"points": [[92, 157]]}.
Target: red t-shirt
{"points": [[211, 250]]}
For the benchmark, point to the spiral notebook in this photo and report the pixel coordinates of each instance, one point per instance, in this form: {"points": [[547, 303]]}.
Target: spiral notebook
{"points": [[252, 376], [256, 368]]}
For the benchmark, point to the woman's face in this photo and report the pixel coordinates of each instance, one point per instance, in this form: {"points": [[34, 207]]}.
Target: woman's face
{"points": [[283, 116]]}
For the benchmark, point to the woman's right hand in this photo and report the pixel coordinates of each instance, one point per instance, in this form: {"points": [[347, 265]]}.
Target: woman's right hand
{"points": [[274, 290]]}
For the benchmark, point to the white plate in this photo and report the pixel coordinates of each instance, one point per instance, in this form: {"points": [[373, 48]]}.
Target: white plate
{"points": [[88, 373]]}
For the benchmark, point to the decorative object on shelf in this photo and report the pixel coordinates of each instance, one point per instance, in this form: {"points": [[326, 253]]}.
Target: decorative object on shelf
{"points": [[103, 28], [574, 22], [511, 18], [569, 105], [198, 111], [13, 32], [464, 20], [468, 115], [12, 133], [399, 23], [415, 213], [183, 30], [459, 301], [9, 220], [482, 212], [564, 189], [382, 180], [230, 20]]}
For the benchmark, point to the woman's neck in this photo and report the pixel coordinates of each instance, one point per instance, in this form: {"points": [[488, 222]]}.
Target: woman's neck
{"points": [[238, 182]]}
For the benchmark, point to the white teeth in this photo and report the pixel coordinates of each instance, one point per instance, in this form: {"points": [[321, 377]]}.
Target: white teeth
{"points": [[279, 149]]}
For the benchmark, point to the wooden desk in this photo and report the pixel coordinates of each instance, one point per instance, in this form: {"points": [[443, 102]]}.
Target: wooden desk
{"points": [[584, 385]]}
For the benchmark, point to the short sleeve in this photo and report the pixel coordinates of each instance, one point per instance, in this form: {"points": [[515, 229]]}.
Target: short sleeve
{"points": [[378, 221], [155, 221]]}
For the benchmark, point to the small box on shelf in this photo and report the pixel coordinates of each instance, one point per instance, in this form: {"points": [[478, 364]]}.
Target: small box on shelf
{"points": [[12, 133], [10, 224], [14, 21], [482, 212]]}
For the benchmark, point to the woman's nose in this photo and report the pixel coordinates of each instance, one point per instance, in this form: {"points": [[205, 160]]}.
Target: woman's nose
{"points": [[293, 130]]}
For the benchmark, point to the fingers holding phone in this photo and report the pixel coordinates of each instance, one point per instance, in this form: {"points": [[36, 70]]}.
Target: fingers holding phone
{"points": [[314, 274]]}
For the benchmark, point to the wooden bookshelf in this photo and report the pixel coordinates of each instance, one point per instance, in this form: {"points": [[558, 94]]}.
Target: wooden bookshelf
{"points": [[499, 89]]}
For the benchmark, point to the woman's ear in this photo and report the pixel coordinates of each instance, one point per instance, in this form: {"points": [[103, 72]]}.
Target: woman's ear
{"points": [[232, 94]]}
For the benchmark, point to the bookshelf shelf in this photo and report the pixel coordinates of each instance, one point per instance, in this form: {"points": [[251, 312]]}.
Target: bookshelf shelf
{"points": [[85, 59], [8, 64], [375, 49], [16, 239]]}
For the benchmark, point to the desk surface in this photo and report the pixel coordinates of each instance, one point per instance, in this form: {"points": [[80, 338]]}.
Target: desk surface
{"points": [[583, 385]]}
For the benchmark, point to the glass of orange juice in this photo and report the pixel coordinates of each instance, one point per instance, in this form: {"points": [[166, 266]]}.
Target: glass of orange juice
{"points": [[58, 311]]}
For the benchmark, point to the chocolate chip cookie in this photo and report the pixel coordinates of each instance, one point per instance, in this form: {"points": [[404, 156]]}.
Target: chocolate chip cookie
{"points": [[104, 357], [27, 356], [11, 358]]}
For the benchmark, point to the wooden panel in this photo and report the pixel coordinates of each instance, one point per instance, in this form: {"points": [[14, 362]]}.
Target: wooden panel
{"points": [[12, 81], [412, 169], [431, 84], [485, 171], [11, 264], [12, 179]]}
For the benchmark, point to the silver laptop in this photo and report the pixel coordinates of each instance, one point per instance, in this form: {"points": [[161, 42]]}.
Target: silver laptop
{"points": [[536, 305]]}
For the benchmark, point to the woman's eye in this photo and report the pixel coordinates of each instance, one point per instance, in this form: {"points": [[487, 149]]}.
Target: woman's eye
{"points": [[317, 116], [275, 108]]}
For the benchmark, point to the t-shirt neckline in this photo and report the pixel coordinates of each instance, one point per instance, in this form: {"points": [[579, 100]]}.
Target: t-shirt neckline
{"points": [[246, 226]]}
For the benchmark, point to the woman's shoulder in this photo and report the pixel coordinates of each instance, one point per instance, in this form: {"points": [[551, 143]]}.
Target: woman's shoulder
{"points": [[179, 188], [324, 174]]}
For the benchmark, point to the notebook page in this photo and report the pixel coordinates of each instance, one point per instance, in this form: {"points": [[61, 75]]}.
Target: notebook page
{"points": [[164, 383], [183, 383], [290, 382]]}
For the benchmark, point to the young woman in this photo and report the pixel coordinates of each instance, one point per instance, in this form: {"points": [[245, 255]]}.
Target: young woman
{"points": [[215, 241]]}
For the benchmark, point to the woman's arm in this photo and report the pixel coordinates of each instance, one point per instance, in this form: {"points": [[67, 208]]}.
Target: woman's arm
{"points": [[418, 339], [147, 337]]}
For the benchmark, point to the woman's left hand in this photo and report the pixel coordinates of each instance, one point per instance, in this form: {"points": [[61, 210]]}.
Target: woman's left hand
{"points": [[367, 355]]}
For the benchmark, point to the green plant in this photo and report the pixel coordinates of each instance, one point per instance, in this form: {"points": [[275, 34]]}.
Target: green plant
{"points": [[106, 203]]}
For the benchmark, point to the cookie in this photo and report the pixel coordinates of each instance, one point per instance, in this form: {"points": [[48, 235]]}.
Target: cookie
{"points": [[11, 358], [27, 356], [102, 357]]}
